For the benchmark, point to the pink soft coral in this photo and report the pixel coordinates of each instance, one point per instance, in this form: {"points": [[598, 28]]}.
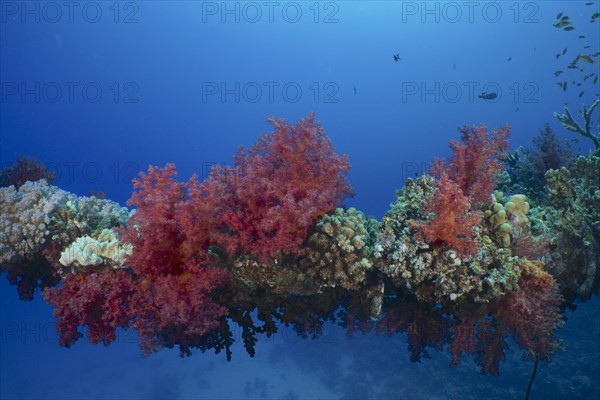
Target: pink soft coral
{"points": [[463, 186], [277, 190], [99, 300], [476, 159], [453, 219], [174, 276]]}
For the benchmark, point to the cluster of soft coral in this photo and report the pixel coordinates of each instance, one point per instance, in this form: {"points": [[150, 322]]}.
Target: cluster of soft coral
{"points": [[177, 284], [276, 191], [264, 206], [463, 186], [24, 170]]}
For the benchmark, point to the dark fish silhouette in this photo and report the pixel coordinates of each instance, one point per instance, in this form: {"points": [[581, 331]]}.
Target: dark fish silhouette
{"points": [[581, 36], [581, 94], [557, 73], [509, 58], [569, 28], [559, 15], [586, 58], [564, 51], [397, 57], [488, 95], [563, 85], [354, 87], [516, 109], [595, 16], [562, 24], [589, 3]]}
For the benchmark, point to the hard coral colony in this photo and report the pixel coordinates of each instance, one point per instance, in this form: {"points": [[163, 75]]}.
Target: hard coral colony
{"points": [[453, 261]]}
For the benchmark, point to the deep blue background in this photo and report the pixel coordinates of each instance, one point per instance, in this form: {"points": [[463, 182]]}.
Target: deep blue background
{"points": [[162, 59]]}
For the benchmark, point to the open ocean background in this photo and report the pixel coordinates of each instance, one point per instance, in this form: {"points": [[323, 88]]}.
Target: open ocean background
{"points": [[100, 90]]}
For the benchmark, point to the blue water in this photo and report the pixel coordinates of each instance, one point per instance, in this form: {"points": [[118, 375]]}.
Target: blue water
{"points": [[100, 91]]}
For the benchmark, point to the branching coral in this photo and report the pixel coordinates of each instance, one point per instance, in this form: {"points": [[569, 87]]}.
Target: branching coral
{"points": [[570, 124]]}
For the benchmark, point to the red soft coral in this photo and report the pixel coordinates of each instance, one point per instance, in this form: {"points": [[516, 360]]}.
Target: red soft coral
{"points": [[532, 314], [277, 190], [98, 300], [170, 260], [463, 186], [153, 229], [476, 159], [26, 169], [453, 219]]}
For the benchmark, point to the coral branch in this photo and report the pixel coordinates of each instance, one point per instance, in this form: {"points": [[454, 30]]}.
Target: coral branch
{"points": [[570, 124]]}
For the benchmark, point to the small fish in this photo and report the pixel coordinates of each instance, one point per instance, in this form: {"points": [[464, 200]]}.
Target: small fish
{"points": [[397, 57], [557, 73], [562, 85], [354, 87], [589, 3], [564, 51], [565, 18], [581, 93], [454, 66], [509, 58], [572, 66], [560, 14], [596, 79], [569, 28], [578, 85], [488, 95], [585, 58], [596, 54], [585, 78], [562, 24], [595, 16], [587, 47], [516, 109], [581, 36], [557, 56]]}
